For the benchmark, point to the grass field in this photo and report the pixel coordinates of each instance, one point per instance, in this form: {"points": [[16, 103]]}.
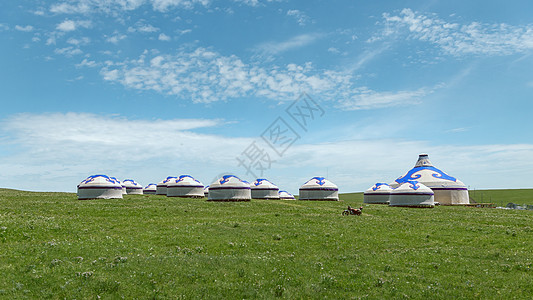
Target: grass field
{"points": [[54, 246], [502, 197]]}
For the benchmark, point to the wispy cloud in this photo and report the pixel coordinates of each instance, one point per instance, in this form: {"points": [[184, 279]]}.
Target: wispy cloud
{"points": [[59, 150], [143, 28], [115, 38], [116, 6], [27, 28], [272, 48], [164, 37], [368, 99], [460, 39], [79, 41], [68, 51], [71, 25], [300, 16], [205, 76]]}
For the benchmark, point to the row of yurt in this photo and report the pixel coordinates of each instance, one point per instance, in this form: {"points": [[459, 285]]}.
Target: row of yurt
{"points": [[423, 179], [106, 187], [227, 188]]}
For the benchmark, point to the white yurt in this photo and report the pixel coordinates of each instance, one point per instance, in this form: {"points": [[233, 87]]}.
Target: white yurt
{"points": [[161, 188], [121, 184], [319, 189], [379, 193], [264, 189], [284, 195], [185, 186], [448, 190], [412, 194], [99, 187], [132, 187], [229, 188], [150, 189], [206, 191]]}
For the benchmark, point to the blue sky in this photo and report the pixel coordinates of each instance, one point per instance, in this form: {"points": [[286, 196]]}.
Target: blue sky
{"points": [[151, 88]]}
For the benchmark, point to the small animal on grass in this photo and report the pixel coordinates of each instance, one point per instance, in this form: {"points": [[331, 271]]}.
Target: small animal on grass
{"points": [[352, 211]]}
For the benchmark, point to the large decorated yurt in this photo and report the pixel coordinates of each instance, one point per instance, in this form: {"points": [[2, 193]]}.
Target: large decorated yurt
{"points": [[185, 186], [161, 188], [264, 189], [121, 184], [284, 195], [229, 188], [150, 189], [206, 191], [379, 193], [319, 189], [412, 194], [99, 187], [448, 190], [132, 187]]}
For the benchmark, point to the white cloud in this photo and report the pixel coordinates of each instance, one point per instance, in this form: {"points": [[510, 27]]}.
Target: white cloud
{"points": [[116, 38], [27, 28], [4, 27], [333, 50], [116, 6], [59, 150], [272, 48], [459, 39], [68, 51], [86, 63], [76, 145], [206, 76], [144, 28], [164, 37], [300, 16], [80, 41], [71, 25], [368, 99]]}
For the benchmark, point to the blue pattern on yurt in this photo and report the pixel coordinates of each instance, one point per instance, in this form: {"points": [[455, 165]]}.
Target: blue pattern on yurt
{"points": [[377, 186], [226, 178], [169, 178], [259, 181], [93, 177], [132, 182], [319, 180], [182, 177], [412, 176]]}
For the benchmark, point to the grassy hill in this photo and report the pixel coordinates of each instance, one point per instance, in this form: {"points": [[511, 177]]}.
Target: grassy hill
{"points": [[54, 246]]}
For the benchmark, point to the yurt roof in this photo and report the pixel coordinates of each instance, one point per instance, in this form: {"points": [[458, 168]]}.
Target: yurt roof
{"points": [[99, 181], [166, 180], [412, 188], [285, 194], [379, 188], [130, 183], [263, 184], [185, 180], [151, 186], [425, 172], [319, 183], [114, 178], [229, 181]]}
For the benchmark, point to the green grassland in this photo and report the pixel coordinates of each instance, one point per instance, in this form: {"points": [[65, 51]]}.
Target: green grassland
{"points": [[54, 246], [502, 197]]}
